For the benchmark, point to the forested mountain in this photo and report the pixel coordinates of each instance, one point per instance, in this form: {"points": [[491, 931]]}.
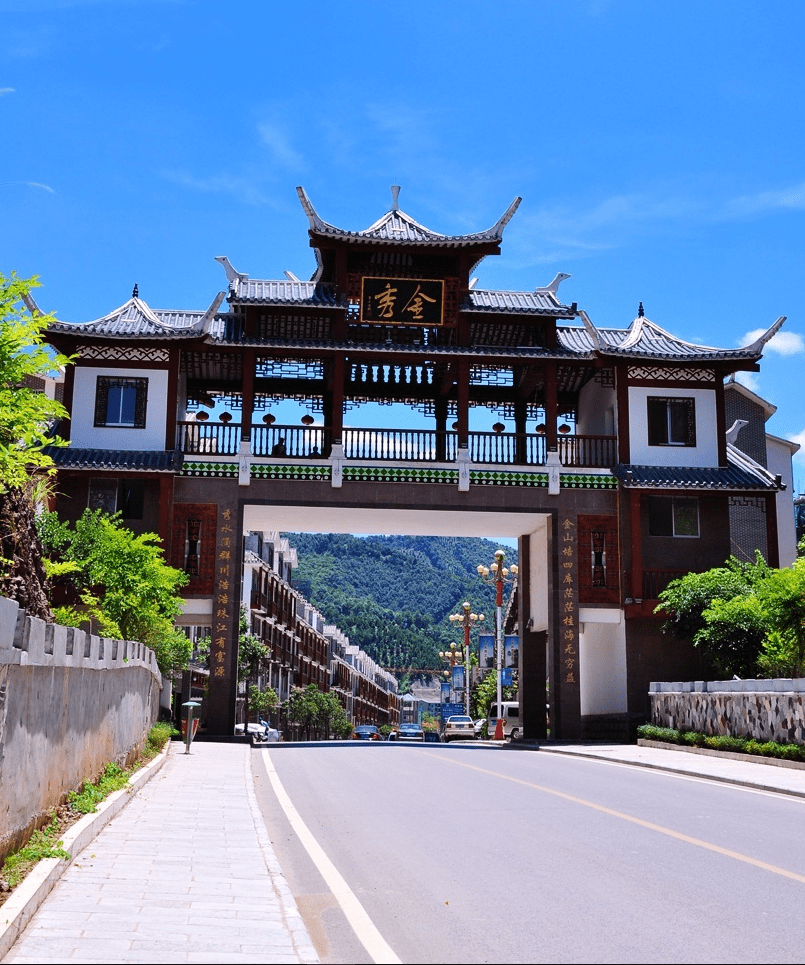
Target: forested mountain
{"points": [[392, 595]]}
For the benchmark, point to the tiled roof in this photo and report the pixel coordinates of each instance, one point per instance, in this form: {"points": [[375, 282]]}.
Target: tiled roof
{"points": [[136, 318], [645, 339], [269, 292], [741, 474], [69, 457], [397, 227], [523, 303]]}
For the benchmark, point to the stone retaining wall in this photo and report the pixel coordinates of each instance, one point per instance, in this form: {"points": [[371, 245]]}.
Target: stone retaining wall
{"points": [[70, 702], [766, 710]]}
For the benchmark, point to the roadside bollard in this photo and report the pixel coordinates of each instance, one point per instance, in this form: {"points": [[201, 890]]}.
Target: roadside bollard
{"points": [[190, 723]]}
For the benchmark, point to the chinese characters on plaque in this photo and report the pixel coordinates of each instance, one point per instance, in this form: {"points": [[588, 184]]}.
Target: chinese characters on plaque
{"points": [[568, 608], [411, 301], [225, 597]]}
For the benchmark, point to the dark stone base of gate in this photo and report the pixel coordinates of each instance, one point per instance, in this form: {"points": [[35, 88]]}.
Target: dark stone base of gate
{"points": [[611, 728]]}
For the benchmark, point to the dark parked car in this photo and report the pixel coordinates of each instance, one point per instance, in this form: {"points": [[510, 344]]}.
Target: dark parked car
{"points": [[411, 732], [366, 732], [432, 737]]}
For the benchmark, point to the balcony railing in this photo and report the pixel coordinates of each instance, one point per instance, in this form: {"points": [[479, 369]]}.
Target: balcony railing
{"points": [[395, 445]]}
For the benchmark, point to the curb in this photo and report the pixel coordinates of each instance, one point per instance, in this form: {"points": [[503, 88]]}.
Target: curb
{"points": [[26, 898], [720, 779]]}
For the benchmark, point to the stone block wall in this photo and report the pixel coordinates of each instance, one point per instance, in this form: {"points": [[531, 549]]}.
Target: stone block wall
{"points": [[766, 710], [70, 702]]}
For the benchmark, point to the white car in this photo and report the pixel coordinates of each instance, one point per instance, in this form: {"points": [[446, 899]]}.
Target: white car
{"points": [[459, 727]]}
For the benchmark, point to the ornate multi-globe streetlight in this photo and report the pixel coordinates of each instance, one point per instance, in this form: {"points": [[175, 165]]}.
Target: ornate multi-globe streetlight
{"points": [[499, 574], [466, 618]]}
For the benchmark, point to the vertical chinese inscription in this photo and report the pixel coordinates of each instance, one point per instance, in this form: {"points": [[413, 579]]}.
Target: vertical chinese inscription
{"points": [[568, 606], [224, 600]]}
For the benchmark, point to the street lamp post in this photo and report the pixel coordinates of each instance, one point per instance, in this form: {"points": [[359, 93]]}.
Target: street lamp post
{"points": [[466, 619], [500, 575]]}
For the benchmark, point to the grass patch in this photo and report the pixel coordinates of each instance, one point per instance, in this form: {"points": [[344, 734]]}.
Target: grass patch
{"points": [[47, 843], [736, 745], [42, 844]]}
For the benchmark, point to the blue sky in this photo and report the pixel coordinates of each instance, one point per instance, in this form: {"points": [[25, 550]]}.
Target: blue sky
{"points": [[658, 149]]}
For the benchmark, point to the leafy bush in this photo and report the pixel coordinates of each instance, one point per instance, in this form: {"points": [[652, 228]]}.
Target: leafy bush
{"points": [[718, 742]]}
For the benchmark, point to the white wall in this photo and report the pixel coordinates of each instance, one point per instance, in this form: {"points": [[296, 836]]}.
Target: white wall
{"points": [[602, 661], [704, 453], [596, 416], [778, 457], [85, 435], [537, 578]]}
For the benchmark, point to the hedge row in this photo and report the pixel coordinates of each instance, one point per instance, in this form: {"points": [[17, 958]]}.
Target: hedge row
{"points": [[737, 745]]}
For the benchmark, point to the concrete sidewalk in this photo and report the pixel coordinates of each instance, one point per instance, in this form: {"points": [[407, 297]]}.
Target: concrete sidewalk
{"points": [[185, 873], [765, 774]]}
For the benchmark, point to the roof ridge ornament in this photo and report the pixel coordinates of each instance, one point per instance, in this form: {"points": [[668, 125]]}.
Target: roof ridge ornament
{"points": [[496, 231], [759, 344], [553, 287], [599, 342], [233, 276], [640, 312], [30, 304], [395, 197], [205, 322], [316, 224], [135, 292]]}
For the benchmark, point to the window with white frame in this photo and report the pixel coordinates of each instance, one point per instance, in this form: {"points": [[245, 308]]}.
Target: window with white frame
{"points": [[673, 516], [671, 421], [120, 402]]}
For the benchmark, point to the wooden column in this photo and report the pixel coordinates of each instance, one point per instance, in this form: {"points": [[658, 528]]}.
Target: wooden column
{"points": [[67, 400], [636, 583], [721, 417], [463, 390], [520, 417], [171, 412], [551, 405], [336, 414], [247, 393], [440, 415], [622, 395]]}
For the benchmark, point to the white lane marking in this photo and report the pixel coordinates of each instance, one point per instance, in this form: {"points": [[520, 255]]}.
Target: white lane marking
{"points": [[360, 922]]}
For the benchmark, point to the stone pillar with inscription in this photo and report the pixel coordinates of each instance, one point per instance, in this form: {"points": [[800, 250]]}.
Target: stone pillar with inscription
{"points": [[225, 617], [567, 670]]}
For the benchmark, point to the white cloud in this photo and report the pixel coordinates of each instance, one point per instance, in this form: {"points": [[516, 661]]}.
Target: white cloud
{"points": [[280, 146], [6, 90], [244, 189], [752, 204], [784, 343]]}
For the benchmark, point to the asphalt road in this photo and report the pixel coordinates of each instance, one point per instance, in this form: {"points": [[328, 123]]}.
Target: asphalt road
{"points": [[463, 853]]}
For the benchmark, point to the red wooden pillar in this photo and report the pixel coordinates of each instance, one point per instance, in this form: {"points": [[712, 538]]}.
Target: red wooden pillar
{"points": [[637, 544], [463, 391], [247, 394], [551, 405], [622, 391], [171, 413]]}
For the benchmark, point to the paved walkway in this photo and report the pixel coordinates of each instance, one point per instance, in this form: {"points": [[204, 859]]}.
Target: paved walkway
{"points": [[185, 873]]}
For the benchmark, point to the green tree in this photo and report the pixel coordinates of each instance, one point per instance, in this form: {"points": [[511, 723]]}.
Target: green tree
{"points": [[26, 418], [127, 590], [717, 611], [782, 596]]}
